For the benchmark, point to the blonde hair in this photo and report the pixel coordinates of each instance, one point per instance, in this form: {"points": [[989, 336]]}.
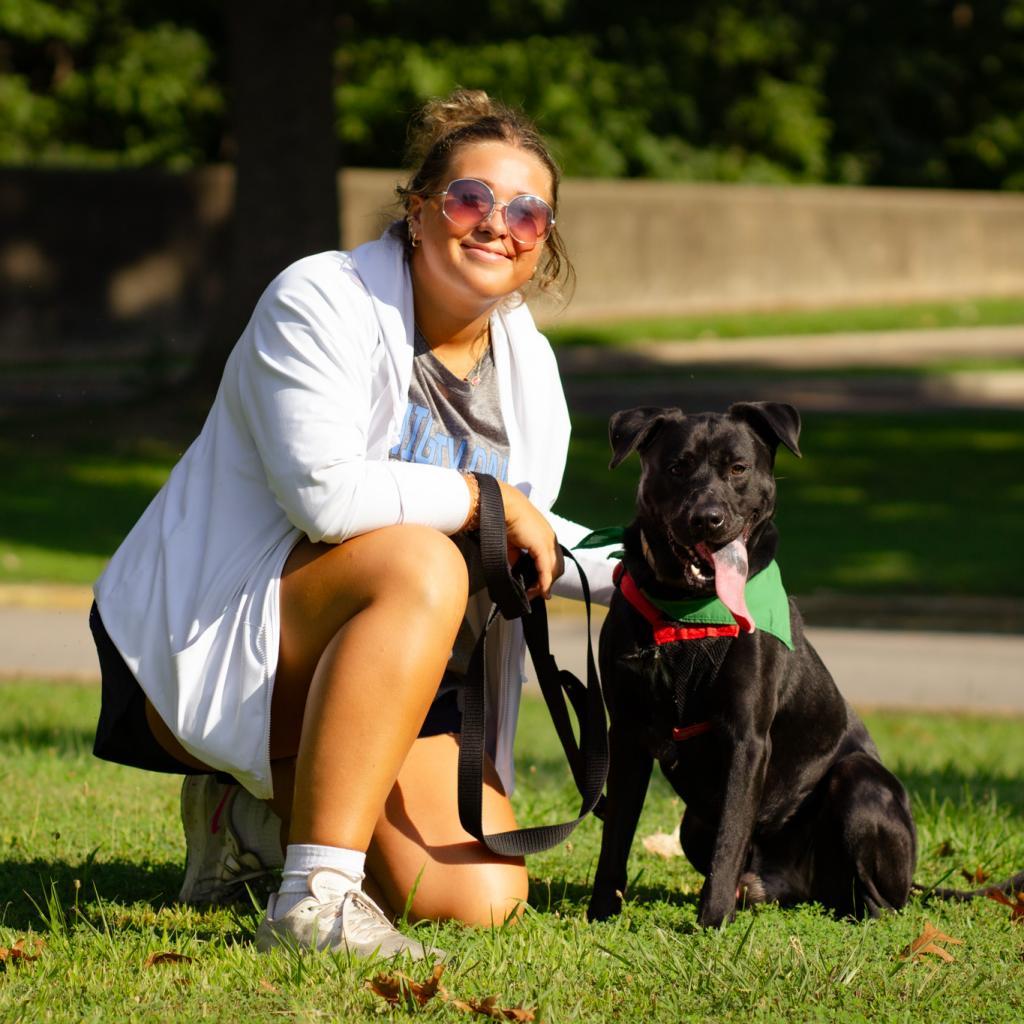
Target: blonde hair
{"points": [[467, 116]]}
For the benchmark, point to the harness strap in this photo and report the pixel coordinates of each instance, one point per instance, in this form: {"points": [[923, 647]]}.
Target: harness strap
{"points": [[665, 631], [687, 732]]}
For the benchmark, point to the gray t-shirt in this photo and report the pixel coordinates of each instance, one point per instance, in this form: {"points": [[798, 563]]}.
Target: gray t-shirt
{"points": [[458, 424]]}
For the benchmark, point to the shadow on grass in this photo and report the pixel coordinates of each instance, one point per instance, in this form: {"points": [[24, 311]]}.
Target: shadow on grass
{"points": [[548, 894], [27, 886], [871, 505], [61, 741], [964, 789]]}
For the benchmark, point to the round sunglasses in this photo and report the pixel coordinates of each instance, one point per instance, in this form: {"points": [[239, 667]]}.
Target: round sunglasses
{"points": [[468, 202]]}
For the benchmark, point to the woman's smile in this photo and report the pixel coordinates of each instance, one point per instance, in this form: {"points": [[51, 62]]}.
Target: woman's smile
{"points": [[478, 251]]}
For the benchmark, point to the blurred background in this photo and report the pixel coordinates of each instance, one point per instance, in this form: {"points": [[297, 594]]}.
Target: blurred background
{"points": [[805, 201]]}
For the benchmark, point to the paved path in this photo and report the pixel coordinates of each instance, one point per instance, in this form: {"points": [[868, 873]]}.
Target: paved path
{"points": [[874, 668]]}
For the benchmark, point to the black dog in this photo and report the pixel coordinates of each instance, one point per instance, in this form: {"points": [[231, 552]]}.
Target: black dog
{"points": [[786, 798]]}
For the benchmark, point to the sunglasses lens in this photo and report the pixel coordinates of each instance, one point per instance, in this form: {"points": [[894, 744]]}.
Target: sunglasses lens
{"points": [[467, 202], [529, 219]]}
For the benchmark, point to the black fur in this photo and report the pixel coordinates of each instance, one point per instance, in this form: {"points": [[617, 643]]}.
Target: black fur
{"points": [[786, 798]]}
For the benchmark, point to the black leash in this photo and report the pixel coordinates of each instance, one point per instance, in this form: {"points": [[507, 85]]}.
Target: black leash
{"points": [[588, 757]]}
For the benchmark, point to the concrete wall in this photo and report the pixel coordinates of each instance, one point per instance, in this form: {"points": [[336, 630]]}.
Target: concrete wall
{"points": [[650, 248], [130, 259]]}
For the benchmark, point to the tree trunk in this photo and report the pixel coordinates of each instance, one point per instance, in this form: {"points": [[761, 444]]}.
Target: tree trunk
{"points": [[280, 81]]}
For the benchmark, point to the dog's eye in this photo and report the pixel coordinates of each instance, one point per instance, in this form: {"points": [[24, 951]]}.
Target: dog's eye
{"points": [[681, 467], [737, 469]]}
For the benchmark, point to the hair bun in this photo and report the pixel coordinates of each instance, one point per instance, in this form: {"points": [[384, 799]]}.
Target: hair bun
{"points": [[444, 115]]}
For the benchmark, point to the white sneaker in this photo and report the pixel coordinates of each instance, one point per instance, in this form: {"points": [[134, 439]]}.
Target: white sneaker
{"points": [[220, 863], [341, 921]]}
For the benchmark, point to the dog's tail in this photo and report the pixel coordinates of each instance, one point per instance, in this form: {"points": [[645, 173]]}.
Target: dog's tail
{"points": [[1010, 887]]}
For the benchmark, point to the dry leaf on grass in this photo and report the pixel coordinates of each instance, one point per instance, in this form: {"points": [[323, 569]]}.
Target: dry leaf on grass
{"points": [[926, 943], [398, 988], [266, 986], [169, 957], [489, 1008], [975, 877], [18, 954], [1016, 905], [664, 844]]}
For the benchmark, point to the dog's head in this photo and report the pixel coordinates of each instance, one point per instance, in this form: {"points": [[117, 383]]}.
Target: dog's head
{"points": [[707, 489]]}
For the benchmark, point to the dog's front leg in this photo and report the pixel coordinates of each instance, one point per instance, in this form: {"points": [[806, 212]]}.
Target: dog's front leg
{"points": [[742, 798], [629, 773]]}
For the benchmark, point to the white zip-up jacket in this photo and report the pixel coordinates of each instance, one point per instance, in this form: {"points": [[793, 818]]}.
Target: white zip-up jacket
{"points": [[296, 443]]}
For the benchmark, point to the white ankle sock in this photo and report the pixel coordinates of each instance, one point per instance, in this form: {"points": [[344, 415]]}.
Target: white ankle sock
{"points": [[302, 858]]}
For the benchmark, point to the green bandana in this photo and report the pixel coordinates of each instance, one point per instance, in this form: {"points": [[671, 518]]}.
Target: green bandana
{"points": [[765, 594]]}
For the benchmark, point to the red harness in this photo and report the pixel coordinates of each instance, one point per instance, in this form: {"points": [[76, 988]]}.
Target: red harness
{"points": [[666, 631]]}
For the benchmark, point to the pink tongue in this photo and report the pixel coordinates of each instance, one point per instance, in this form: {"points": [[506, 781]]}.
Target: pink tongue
{"points": [[730, 580]]}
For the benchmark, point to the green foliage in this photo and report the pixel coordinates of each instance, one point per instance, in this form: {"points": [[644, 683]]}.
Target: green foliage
{"points": [[919, 93], [102, 83], [616, 103]]}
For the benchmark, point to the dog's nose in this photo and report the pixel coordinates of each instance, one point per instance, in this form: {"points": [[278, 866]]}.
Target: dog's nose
{"points": [[707, 519]]}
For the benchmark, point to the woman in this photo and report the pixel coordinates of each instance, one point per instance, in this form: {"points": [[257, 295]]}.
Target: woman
{"points": [[296, 602]]}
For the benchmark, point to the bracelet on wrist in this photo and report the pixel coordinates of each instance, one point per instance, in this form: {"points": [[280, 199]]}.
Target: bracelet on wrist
{"points": [[473, 519]]}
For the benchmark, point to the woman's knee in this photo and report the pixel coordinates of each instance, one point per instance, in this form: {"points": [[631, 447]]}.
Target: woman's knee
{"points": [[499, 892], [426, 569], [485, 895], [416, 564]]}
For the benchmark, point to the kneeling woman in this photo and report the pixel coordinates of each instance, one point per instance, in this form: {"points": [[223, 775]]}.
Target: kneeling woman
{"points": [[293, 608]]}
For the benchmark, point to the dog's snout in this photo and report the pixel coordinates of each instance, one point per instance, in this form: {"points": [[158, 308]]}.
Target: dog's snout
{"points": [[707, 517]]}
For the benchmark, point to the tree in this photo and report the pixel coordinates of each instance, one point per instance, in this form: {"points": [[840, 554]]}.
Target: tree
{"points": [[282, 129]]}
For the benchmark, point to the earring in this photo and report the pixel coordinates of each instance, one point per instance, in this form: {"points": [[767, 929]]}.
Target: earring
{"points": [[414, 240]]}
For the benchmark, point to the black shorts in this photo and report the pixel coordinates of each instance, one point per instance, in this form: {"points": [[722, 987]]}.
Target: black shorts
{"points": [[123, 734]]}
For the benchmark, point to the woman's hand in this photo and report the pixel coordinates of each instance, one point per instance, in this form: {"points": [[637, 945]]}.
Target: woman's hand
{"points": [[529, 531]]}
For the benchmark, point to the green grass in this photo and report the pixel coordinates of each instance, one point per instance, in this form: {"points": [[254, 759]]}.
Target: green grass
{"points": [[963, 313], [917, 503], [92, 856], [925, 503]]}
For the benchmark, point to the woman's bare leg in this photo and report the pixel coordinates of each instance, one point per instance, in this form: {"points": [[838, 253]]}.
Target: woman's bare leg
{"points": [[383, 609], [366, 631], [418, 843]]}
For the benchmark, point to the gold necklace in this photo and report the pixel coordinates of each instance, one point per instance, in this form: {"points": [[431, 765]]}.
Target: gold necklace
{"points": [[473, 377], [476, 351]]}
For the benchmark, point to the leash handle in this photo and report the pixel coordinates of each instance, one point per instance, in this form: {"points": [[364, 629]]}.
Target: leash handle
{"points": [[507, 588], [588, 758]]}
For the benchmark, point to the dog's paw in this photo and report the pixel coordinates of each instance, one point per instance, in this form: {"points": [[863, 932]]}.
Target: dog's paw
{"points": [[713, 913], [604, 905]]}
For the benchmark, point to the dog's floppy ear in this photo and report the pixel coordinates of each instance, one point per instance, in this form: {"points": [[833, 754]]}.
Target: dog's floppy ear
{"points": [[772, 421], [633, 428]]}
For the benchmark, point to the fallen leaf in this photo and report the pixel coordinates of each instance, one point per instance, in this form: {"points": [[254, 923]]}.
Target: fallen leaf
{"points": [[1016, 905], [268, 987], [398, 988], [944, 849], [977, 876], [169, 957], [926, 943], [19, 954], [664, 844], [488, 1007]]}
